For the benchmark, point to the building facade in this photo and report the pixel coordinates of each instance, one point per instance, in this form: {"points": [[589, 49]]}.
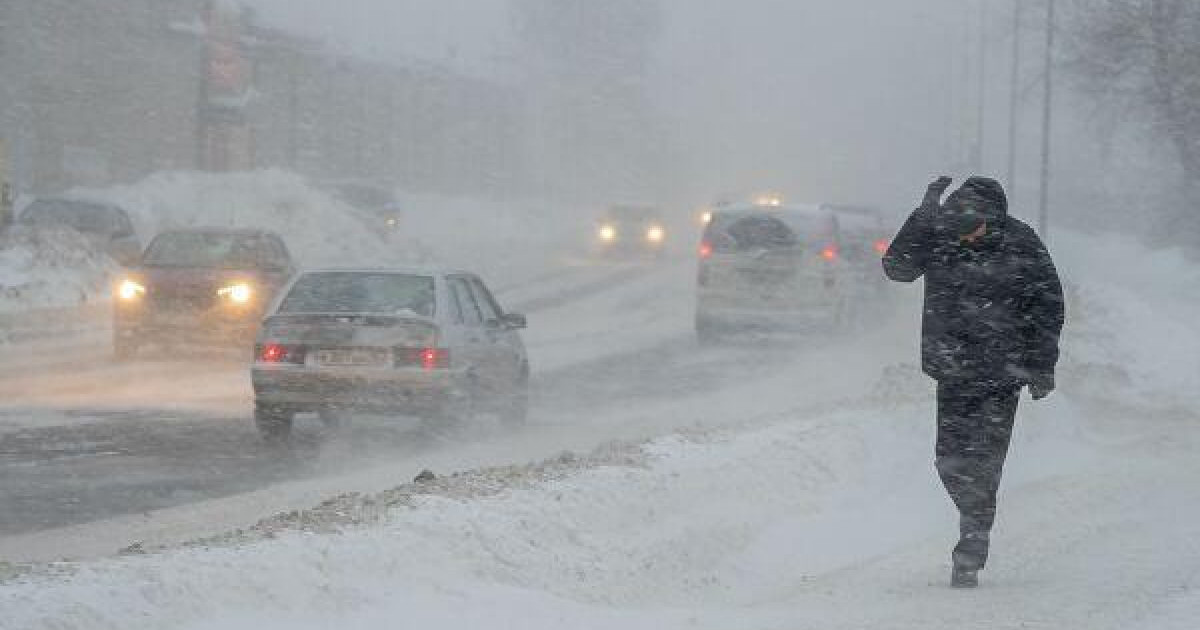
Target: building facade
{"points": [[96, 92]]}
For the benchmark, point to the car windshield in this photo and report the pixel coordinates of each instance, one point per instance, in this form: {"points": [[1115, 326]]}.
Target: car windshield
{"points": [[357, 292], [202, 249], [364, 197], [631, 215], [761, 233], [78, 215]]}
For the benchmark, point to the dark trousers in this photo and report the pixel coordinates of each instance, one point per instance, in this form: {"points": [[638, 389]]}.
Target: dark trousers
{"points": [[975, 425]]}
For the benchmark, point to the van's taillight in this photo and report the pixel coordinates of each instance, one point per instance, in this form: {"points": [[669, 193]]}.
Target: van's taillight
{"points": [[427, 358], [830, 253], [279, 353], [881, 246], [706, 249]]}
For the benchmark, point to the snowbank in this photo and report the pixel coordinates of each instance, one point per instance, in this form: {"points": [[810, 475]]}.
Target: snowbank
{"points": [[504, 240], [50, 268], [1131, 337], [319, 230]]}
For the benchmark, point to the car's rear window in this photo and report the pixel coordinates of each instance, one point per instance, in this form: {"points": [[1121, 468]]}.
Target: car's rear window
{"points": [[204, 249], [361, 292], [364, 197], [748, 232], [77, 215]]}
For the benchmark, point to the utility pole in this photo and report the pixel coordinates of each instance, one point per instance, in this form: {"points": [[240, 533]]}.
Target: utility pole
{"points": [[1014, 102], [981, 105], [1047, 113]]}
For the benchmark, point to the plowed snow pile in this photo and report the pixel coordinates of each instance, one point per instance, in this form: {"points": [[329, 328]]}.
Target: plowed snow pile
{"points": [[50, 268], [827, 521], [59, 269], [318, 229]]}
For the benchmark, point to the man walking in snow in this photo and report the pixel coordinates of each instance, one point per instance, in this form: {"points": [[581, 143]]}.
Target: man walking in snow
{"points": [[992, 317]]}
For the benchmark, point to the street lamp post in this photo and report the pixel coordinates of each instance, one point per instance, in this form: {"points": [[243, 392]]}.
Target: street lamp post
{"points": [[1014, 103], [1047, 113]]}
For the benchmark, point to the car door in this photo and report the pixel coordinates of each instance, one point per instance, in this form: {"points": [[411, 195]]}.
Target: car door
{"points": [[475, 346], [125, 246], [276, 264], [505, 350]]}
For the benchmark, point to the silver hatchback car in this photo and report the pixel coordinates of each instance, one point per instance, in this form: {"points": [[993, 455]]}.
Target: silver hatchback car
{"points": [[428, 343]]}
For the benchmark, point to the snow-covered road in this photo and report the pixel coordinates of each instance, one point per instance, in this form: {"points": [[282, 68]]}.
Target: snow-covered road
{"points": [[82, 438]]}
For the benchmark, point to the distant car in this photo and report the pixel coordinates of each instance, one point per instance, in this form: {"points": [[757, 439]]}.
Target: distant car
{"points": [[777, 269], [106, 227], [207, 285], [863, 237], [428, 343], [631, 229], [376, 200], [862, 232]]}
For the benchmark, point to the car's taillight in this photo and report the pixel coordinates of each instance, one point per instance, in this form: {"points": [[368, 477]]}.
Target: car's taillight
{"points": [[426, 358], [706, 249], [881, 246], [830, 253], [279, 353]]}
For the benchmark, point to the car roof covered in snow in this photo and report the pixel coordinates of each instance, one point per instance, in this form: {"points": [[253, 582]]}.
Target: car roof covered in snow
{"points": [[798, 211]]}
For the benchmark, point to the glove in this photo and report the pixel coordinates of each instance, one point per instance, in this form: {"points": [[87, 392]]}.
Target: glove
{"points": [[1041, 386], [933, 194]]}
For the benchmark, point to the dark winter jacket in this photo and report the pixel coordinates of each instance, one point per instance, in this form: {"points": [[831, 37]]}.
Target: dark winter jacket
{"points": [[994, 309]]}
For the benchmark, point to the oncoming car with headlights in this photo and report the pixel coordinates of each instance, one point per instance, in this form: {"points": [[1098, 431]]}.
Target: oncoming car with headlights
{"points": [[433, 344], [631, 229], [207, 285]]}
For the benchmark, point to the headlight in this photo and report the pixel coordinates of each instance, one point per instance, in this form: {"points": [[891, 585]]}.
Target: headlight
{"points": [[238, 293], [130, 290], [656, 234], [608, 233], [706, 217]]}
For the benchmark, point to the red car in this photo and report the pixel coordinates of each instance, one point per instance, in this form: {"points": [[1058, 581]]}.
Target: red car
{"points": [[208, 286]]}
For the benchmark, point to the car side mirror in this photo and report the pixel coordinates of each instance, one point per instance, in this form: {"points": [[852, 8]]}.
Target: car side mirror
{"points": [[515, 321]]}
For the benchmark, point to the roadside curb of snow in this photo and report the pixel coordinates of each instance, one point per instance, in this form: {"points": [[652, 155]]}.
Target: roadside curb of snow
{"points": [[355, 508]]}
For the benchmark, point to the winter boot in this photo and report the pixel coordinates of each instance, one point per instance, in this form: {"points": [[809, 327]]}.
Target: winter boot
{"points": [[971, 551], [969, 556], [962, 576]]}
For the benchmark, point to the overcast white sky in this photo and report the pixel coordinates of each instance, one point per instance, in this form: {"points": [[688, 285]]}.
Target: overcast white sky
{"points": [[825, 98]]}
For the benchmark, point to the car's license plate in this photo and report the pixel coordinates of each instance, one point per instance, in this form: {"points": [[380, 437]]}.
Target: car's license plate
{"points": [[374, 357]]}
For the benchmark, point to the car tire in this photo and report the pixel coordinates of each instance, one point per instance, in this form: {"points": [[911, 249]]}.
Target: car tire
{"points": [[274, 423], [706, 332], [515, 410], [333, 418], [456, 406]]}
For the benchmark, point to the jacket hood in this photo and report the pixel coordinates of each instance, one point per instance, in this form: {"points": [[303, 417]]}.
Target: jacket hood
{"points": [[979, 196], [979, 200]]}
